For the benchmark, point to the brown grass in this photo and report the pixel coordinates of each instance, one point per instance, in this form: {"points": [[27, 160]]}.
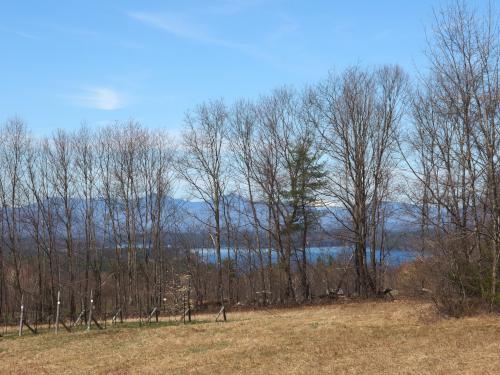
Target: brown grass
{"points": [[403, 337]]}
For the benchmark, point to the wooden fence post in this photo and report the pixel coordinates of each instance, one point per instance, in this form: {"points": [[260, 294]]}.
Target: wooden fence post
{"points": [[140, 312], [117, 314], [223, 312], [57, 310], [189, 298], [155, 313], [22, 316], [91, 307], [184, 308], [80, 319]]}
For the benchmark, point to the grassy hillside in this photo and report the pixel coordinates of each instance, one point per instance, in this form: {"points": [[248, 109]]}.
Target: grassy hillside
{"points": [[403, 337]]}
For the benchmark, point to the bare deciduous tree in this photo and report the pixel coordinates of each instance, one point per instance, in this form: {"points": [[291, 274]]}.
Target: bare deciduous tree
{"points": [[202, 166]]}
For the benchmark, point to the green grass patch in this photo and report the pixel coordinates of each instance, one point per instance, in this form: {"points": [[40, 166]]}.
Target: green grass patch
{"points": [[109, 328]]}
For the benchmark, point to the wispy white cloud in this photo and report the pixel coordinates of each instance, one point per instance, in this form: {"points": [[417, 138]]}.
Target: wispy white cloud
{"points": [[104, 98], [383, 34], [95, 36], [286, 28], [26, 35], [175, 25], [19, 33], [232, 7], [178, 26], [78, 31]]}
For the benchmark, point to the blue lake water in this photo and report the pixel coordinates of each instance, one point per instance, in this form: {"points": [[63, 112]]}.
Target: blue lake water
{"points": [[394, 257]]}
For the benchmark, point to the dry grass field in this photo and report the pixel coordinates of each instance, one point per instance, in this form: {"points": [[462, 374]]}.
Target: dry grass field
{"points": [[403, 337]]}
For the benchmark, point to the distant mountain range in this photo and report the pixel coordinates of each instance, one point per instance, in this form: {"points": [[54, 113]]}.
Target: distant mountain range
{"points": [[400, 216], [190, 216]]}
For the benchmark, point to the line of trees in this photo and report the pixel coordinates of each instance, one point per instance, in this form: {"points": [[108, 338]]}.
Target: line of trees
{"points": [[78, 204], [456, 155], [94, 209]]}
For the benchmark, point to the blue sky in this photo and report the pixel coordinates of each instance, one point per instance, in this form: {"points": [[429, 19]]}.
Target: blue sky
{"points": [[65, 62]]}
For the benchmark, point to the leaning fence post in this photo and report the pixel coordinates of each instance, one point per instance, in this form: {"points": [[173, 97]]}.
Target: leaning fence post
{"points": [[57, 310], [22, 316], [223, 312]]}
